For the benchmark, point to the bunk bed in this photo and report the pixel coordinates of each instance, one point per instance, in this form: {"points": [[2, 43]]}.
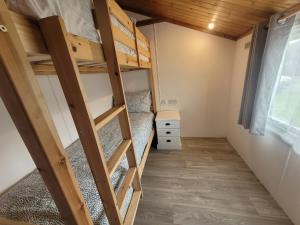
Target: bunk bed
{"points": [[31, 47]]}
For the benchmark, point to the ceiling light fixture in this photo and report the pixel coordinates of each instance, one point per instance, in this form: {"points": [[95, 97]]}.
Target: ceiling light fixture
{"points": [[211, 26]]}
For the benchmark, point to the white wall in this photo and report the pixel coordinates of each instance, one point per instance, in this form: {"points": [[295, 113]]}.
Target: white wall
{"points": [[15, 161], [194, 68], [273, 162]]}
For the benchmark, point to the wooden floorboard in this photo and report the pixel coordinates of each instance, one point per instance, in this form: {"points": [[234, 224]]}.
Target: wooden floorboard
{"points": [[207, 183]]}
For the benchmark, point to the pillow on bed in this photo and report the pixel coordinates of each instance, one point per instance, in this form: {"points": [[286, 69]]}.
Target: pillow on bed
{"points": [[139, 101]]}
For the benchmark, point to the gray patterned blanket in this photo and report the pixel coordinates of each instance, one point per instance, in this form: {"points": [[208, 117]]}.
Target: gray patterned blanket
{"points": [[30, 201]]}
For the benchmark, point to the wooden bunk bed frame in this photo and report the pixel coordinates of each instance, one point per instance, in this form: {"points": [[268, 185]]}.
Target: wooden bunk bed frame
{"points": [[28, 49]]}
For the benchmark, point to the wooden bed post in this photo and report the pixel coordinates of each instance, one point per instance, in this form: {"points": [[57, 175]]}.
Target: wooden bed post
{"points": [[151, 79], [152, 82], [136, 45], [153, 85], [22, 97]]}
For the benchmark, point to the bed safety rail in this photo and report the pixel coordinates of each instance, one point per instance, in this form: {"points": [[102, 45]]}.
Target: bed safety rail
{"points": [[88, 55], [139, 43]]}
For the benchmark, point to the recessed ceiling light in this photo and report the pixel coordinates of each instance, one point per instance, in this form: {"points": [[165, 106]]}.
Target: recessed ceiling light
{"points": [[211, 26]]}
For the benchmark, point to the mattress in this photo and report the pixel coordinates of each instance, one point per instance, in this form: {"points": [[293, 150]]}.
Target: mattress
{"points": [[78, 19], [30, 201]]}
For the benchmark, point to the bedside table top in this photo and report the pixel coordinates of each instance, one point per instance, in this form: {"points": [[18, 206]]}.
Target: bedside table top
{"points": [[168, 115]]}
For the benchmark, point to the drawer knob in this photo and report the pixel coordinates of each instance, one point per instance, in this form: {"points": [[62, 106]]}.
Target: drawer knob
{"points": [[168, 140], [167, 124], [168, 132]]}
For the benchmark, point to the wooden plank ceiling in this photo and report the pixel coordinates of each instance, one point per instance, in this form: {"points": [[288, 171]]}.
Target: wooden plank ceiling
{"points": [[232, 18]]}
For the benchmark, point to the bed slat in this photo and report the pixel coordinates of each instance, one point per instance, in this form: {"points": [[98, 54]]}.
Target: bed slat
{"points": [[116, 10], [144, 52], [123, 38], [142, 38], [144, 64], [44, 70], [125, 59], [86, 50]]}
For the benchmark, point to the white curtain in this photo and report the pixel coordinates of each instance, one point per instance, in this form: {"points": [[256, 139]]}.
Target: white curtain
{"points": [[276, 44], [284, 114]]}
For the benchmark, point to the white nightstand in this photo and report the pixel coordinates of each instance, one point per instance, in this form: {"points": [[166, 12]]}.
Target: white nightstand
{"points": [[168, 130]]}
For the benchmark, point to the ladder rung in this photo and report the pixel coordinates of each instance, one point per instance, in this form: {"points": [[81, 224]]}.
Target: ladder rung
{"points": [[103, 119], [125, 186], [132, 209], [117, 156]]}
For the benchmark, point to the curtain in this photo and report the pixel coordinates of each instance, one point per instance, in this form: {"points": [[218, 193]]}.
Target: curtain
{"points": [[258, 42], [259, 86], [284, 116]]}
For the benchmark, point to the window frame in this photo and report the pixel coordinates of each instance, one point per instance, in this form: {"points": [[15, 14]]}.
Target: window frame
{"points": [[278, 126]]}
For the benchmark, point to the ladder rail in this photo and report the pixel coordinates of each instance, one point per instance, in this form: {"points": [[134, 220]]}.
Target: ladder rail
{"points": [[103, 21], [132, 209], [68, 74]]}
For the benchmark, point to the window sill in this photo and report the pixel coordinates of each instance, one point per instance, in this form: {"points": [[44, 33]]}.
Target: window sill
{"points": [[280, 127], [288, 134]]}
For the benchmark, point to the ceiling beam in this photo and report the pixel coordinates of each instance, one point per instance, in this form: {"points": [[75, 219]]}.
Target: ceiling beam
{"points": [[173, 21], [148, 22]]}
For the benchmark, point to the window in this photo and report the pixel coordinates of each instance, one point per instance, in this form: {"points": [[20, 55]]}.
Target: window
{"points": [[285, 106]]}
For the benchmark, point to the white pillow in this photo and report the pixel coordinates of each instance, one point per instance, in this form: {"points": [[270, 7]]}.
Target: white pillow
{"points": [[139, 101]]}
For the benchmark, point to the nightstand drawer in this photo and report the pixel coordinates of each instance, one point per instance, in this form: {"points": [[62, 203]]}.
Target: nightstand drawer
{"points": [[168, 132], [165, 124], [169, 143]]}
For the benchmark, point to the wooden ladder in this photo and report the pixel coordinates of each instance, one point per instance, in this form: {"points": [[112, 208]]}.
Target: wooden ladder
{"points": [[68, 73]]}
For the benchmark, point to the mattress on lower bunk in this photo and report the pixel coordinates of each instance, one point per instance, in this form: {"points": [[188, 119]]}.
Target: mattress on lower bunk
{"points": [[78, 19], [30, 201]]}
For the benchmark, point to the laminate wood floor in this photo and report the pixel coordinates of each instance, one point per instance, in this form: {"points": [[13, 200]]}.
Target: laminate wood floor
{"points": [[206, 183]]}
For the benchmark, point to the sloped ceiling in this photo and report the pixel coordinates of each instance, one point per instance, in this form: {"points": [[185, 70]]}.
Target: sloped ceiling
{"points": [[232, 18]]}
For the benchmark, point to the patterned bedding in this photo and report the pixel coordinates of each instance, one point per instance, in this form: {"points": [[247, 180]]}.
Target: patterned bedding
{"points": [[30, 201]]}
